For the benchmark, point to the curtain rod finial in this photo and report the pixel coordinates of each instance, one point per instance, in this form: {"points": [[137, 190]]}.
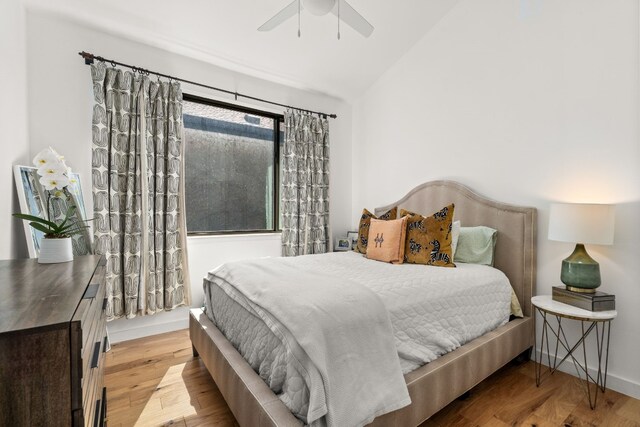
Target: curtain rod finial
{"points": [[88, 58]]}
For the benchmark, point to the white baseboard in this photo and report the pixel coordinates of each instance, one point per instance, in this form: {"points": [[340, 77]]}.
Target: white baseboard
{"points": [[129, 329], [614, 382]]}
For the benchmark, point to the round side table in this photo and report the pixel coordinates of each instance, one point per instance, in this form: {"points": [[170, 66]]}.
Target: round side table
{"points": [[600, 321]]}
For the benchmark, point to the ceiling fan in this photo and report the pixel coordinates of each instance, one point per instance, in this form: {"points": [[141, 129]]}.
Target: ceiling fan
{"points": [[340, 8]]}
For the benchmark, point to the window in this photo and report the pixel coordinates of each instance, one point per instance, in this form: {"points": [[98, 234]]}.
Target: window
{"points": [[232, 157]]}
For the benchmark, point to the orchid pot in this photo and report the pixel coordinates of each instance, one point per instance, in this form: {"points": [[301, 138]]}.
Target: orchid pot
{"points": [[55, 249]]}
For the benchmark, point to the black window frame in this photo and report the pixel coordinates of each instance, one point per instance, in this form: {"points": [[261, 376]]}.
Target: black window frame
{"points": [[277, 120]]}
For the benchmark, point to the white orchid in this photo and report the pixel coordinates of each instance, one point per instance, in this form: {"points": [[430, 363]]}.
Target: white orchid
{"points": [[55, 176], [54, 173], [47, 158], [54, 182], [52, 170]]}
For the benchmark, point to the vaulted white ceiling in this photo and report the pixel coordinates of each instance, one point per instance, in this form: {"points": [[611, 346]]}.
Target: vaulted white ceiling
{"points": [[224, 32]]}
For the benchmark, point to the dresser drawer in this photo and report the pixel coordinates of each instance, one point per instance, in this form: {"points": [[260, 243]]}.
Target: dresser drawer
{"points": [[93, 379], [95, 396], [93, 307], [88, 344], [94, 331]]}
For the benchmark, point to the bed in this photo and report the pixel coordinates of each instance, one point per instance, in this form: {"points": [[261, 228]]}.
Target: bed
{"points": [[431, 386]]}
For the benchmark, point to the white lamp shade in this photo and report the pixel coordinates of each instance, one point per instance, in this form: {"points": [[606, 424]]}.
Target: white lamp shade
{"points": [[582, 223]]}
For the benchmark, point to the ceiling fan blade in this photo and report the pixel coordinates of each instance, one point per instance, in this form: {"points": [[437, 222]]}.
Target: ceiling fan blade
{"points": [[289, 11], [352, 18]]}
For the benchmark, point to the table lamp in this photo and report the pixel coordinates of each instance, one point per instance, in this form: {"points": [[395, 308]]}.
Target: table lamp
{"points": [[581, 223]]}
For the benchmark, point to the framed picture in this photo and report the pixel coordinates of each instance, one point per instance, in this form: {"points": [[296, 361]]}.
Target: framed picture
{"points": [[353, 238], [343, 244], [33, 201]]}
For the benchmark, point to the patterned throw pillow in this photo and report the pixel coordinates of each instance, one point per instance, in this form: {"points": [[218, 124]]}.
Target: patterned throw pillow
{"points": [[429, 238], [387, 240], [363, 228]]}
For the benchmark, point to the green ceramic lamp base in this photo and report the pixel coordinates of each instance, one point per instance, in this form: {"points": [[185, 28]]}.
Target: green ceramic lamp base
{"points": [[580, 272]]}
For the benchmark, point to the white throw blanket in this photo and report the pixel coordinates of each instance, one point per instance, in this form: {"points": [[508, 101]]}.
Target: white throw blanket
{"points": [[339, 330]]}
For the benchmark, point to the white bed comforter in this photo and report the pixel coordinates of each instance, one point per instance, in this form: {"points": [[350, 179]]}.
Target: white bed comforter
{"points": [[337, 330], [292, 319]]}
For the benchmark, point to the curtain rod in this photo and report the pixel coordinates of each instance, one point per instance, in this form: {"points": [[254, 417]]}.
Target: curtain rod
{"points": [[89, 59]]}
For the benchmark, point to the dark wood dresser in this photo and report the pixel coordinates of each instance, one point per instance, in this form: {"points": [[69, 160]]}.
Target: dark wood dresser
{"points": [[52, 343]]}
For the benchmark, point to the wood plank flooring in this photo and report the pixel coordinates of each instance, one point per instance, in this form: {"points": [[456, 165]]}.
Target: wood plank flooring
{"points": [[155, 381]]}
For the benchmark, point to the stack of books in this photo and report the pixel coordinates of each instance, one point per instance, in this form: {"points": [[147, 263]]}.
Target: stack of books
{"points": [[597, 301]]}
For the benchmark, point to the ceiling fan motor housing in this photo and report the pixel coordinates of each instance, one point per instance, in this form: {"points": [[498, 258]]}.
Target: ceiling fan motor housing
{"points": [[319, 7]]}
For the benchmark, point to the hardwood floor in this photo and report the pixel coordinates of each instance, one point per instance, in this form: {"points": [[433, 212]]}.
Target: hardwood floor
{"points": [[155, 381]]}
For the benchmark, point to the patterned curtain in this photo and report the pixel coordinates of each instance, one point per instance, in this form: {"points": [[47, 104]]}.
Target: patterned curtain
{"points": [[305, 185], [138, 191]]}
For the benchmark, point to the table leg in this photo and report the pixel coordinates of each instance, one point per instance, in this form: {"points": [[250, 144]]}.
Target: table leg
{"points": [[602, 347], [592, 403], [538, 359], [606, 358], [561, 340]]}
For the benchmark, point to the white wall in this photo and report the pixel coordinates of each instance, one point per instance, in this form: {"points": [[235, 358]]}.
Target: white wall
{"points": [[13, 122], [60, 103], [527, 107]]}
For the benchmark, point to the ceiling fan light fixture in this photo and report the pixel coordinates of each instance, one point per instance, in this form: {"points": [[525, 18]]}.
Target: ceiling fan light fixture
{"points": [[319, 7]]}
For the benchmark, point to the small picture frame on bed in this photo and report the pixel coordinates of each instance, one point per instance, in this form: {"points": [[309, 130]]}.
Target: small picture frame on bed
{"points": [[342, 244], [352, 236]]}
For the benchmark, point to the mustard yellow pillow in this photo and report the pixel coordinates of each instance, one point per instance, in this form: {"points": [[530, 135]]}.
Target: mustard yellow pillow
{"points": [[429, 238], [363, 228], [387, 240]]}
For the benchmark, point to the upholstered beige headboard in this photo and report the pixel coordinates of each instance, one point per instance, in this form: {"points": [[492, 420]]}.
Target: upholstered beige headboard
{"points": [[516, 245]]}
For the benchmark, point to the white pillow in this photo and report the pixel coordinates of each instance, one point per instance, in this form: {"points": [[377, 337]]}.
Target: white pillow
{"points": [[455, 234]]}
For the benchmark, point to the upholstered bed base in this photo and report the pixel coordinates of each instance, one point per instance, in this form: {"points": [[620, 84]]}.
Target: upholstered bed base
{"points": [[431, 387], [248, 396], [436, 384]]}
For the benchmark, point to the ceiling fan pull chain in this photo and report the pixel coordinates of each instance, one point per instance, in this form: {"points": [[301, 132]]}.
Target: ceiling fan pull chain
{"points": [[339, 19], [299, 18]]}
